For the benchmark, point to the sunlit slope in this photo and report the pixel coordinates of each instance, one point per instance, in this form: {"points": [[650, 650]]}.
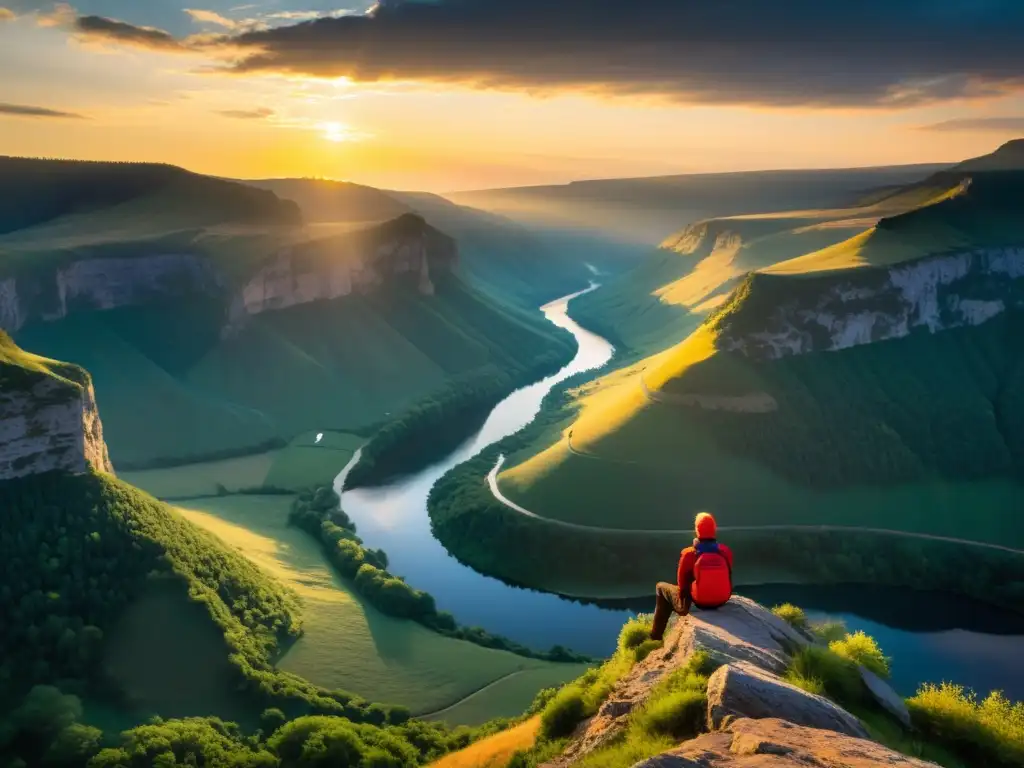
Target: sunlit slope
{"points": [[669, 293], [882, 393], [348, 644]]}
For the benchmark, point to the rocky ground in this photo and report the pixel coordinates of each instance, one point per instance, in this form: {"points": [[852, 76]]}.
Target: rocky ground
{"points": [[754, 716]]}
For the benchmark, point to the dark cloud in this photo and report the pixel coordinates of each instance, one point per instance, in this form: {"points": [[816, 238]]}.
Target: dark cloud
{"points": [[111, 30], [25, 110], [247, 114], [1003, 124], [760, 52]]}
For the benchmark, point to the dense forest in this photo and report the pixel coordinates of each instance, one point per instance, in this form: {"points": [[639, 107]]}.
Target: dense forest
{"points": [[438, 424], [319, 513]]}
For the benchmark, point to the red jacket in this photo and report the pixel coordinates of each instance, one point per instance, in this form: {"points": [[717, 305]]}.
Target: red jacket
{"points": [[687, 558]]}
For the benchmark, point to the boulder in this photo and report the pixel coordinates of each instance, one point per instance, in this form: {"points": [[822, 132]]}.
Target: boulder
{"points": [[743, 690], [886, 697], [741, 630], [774, 743]]}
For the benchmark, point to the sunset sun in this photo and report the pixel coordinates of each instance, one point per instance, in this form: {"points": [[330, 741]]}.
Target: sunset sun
{"points": [[335, 132]]}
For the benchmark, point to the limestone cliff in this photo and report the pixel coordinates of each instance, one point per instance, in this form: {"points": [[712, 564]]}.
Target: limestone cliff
{"points": [[776, 316], [405, 248], [305, 271], [48, 416]]}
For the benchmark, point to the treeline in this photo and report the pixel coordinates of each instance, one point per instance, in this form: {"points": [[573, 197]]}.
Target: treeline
{"points": [[44, 730], [438, 424], [319, 514]]}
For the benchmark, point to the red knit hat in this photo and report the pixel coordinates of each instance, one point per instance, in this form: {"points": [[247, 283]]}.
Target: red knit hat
{"points": [[705, 526]]}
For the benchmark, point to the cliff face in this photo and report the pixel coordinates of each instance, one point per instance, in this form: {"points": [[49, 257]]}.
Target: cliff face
{"points": [[406, 248], [783, 316], [102, 283], [49, 423]]}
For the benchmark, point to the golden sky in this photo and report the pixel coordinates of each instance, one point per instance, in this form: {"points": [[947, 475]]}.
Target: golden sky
{"points": [[101, 95]]}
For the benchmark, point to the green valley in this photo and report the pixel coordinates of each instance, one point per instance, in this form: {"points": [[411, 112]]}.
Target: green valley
{"points": [[853, 402]]}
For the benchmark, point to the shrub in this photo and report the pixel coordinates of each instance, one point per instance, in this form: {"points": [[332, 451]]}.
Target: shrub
{"points": [[829, 631], [792, 615], [838, 676], [809, 684], [862, 649], [563, 713], [643, 650], [990, 732], [679, 714], [634, 633]]}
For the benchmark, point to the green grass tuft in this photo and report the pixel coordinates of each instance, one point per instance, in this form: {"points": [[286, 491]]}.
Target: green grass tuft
{"points": [[862, 649], [809, 684], [679, 714], [829, 631], [644, 650], [792, 615], [563, 713], [988, 732], [838, 676]]}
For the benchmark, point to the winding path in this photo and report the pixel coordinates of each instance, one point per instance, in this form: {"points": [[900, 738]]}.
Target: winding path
{"points": [[492, 482]]}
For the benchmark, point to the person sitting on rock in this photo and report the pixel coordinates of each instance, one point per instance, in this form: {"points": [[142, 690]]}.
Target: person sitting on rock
{"points": [[704, 577]]}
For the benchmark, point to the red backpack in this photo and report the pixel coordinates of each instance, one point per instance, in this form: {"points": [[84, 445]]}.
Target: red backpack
{"points": [[712, 577]]}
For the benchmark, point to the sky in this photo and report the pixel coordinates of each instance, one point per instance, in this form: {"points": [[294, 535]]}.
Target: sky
{"points": [[445, 95]]}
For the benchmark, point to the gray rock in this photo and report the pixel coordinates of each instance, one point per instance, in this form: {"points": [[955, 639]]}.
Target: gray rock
{"points": [[742, 630], [774, 743], [886, 697], [743, 690]]}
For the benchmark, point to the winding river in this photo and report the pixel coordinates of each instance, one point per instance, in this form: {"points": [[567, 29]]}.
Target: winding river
{"points": [[931, 637]]}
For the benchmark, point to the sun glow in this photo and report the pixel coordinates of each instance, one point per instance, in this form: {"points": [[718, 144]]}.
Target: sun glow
{"points": [[336, 132]]}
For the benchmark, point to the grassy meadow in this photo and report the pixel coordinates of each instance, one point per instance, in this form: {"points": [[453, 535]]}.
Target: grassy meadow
{"points": [[349, 644]]}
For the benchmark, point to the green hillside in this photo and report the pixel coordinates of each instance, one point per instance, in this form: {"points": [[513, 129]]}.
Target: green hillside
{"points": [[37, 192], [668, 294]]}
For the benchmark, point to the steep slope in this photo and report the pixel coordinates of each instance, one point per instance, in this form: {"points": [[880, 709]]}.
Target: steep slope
{"points": [[245, 334], [668, 294]]}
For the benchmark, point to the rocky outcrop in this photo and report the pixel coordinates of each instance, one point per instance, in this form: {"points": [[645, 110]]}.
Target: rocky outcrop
{"points": [[781, 316], [406, 248], [740, 631], [744, 690], [776, 743], [49, 423], [754, 648]]}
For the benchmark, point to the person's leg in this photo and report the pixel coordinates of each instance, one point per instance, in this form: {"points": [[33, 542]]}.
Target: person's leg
{"points": [[665, 603]]}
